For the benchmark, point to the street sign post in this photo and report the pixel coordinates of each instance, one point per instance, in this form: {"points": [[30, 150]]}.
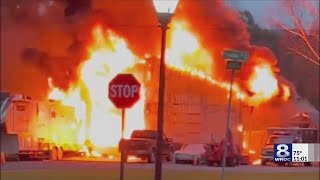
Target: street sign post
{"points": [[123, 92], [234, 61], [234, 65]]}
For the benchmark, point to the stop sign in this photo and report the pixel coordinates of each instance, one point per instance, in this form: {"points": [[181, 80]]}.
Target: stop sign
{"points": [[124, 90]]}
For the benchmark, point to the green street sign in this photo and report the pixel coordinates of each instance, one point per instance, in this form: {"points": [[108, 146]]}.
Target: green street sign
{"points": [[235, 55]]}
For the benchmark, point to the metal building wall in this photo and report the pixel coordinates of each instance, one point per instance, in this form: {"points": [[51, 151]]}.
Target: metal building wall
{"points": [[195, 111]]}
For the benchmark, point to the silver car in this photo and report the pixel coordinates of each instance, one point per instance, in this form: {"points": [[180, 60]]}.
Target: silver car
{"points": [[191, 153]]}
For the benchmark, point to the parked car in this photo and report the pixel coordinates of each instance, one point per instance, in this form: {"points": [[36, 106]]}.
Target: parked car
{"points": [[191, 153]]}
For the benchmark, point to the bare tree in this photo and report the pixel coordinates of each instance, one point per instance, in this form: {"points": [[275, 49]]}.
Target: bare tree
{"points": [[300, 22]]}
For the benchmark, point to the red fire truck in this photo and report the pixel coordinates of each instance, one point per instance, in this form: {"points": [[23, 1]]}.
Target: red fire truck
{"points": [[37, 129]]}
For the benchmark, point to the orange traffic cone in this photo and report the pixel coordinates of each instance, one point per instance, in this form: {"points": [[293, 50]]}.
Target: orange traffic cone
{"points": [[3, 160]]}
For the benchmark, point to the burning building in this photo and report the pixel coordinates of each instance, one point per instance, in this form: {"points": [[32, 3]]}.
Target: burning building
{"points": [[196, 81], [196, 111]]}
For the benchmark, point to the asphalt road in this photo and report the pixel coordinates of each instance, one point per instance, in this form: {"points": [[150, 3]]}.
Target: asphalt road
{"points": [[78, 165]]}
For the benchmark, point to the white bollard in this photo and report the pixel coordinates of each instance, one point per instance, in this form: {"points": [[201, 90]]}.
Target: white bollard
{"points": [[3, 160], [195, 161]]}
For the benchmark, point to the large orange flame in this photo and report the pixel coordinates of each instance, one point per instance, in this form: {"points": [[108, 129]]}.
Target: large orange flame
{"points": [[263, 84], [194, 59], [109, 55]]}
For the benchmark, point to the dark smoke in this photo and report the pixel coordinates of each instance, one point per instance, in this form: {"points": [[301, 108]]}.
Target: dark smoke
{"points": [[220, 27], [36, 56], [61, 70], [37, 43], [53, 43], [136, 21], [75, 7], [216, 25]]}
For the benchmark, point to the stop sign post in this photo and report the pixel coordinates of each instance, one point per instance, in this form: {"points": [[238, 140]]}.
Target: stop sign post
{"points": [[123, 92]]}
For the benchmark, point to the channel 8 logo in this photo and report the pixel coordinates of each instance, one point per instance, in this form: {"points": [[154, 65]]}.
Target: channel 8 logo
{"points": [[282, 153]]}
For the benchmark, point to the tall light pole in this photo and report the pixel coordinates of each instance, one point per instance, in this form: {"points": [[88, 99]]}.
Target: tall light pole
{"points": [[165, 10]]}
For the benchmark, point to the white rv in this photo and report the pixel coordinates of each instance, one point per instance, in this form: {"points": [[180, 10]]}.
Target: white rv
{"points": [[37, 129]]}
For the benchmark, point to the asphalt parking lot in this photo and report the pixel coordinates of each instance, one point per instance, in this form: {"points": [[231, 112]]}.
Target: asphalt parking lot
{"points": [[85, 168], [100, 165]]}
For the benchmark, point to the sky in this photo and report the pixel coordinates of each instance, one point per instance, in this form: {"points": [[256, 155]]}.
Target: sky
{"points": [[256, 7], [259, 9]]}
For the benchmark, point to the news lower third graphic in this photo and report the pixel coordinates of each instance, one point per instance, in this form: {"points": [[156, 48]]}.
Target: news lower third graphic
{"points": [[297, 152]]}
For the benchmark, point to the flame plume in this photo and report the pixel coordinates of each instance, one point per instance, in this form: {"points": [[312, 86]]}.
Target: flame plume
{"points": [[109, 55]]}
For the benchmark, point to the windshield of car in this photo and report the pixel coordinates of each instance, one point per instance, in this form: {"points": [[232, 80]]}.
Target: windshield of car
{"points": [[280, 139], [144, 134], [193, 147]]}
